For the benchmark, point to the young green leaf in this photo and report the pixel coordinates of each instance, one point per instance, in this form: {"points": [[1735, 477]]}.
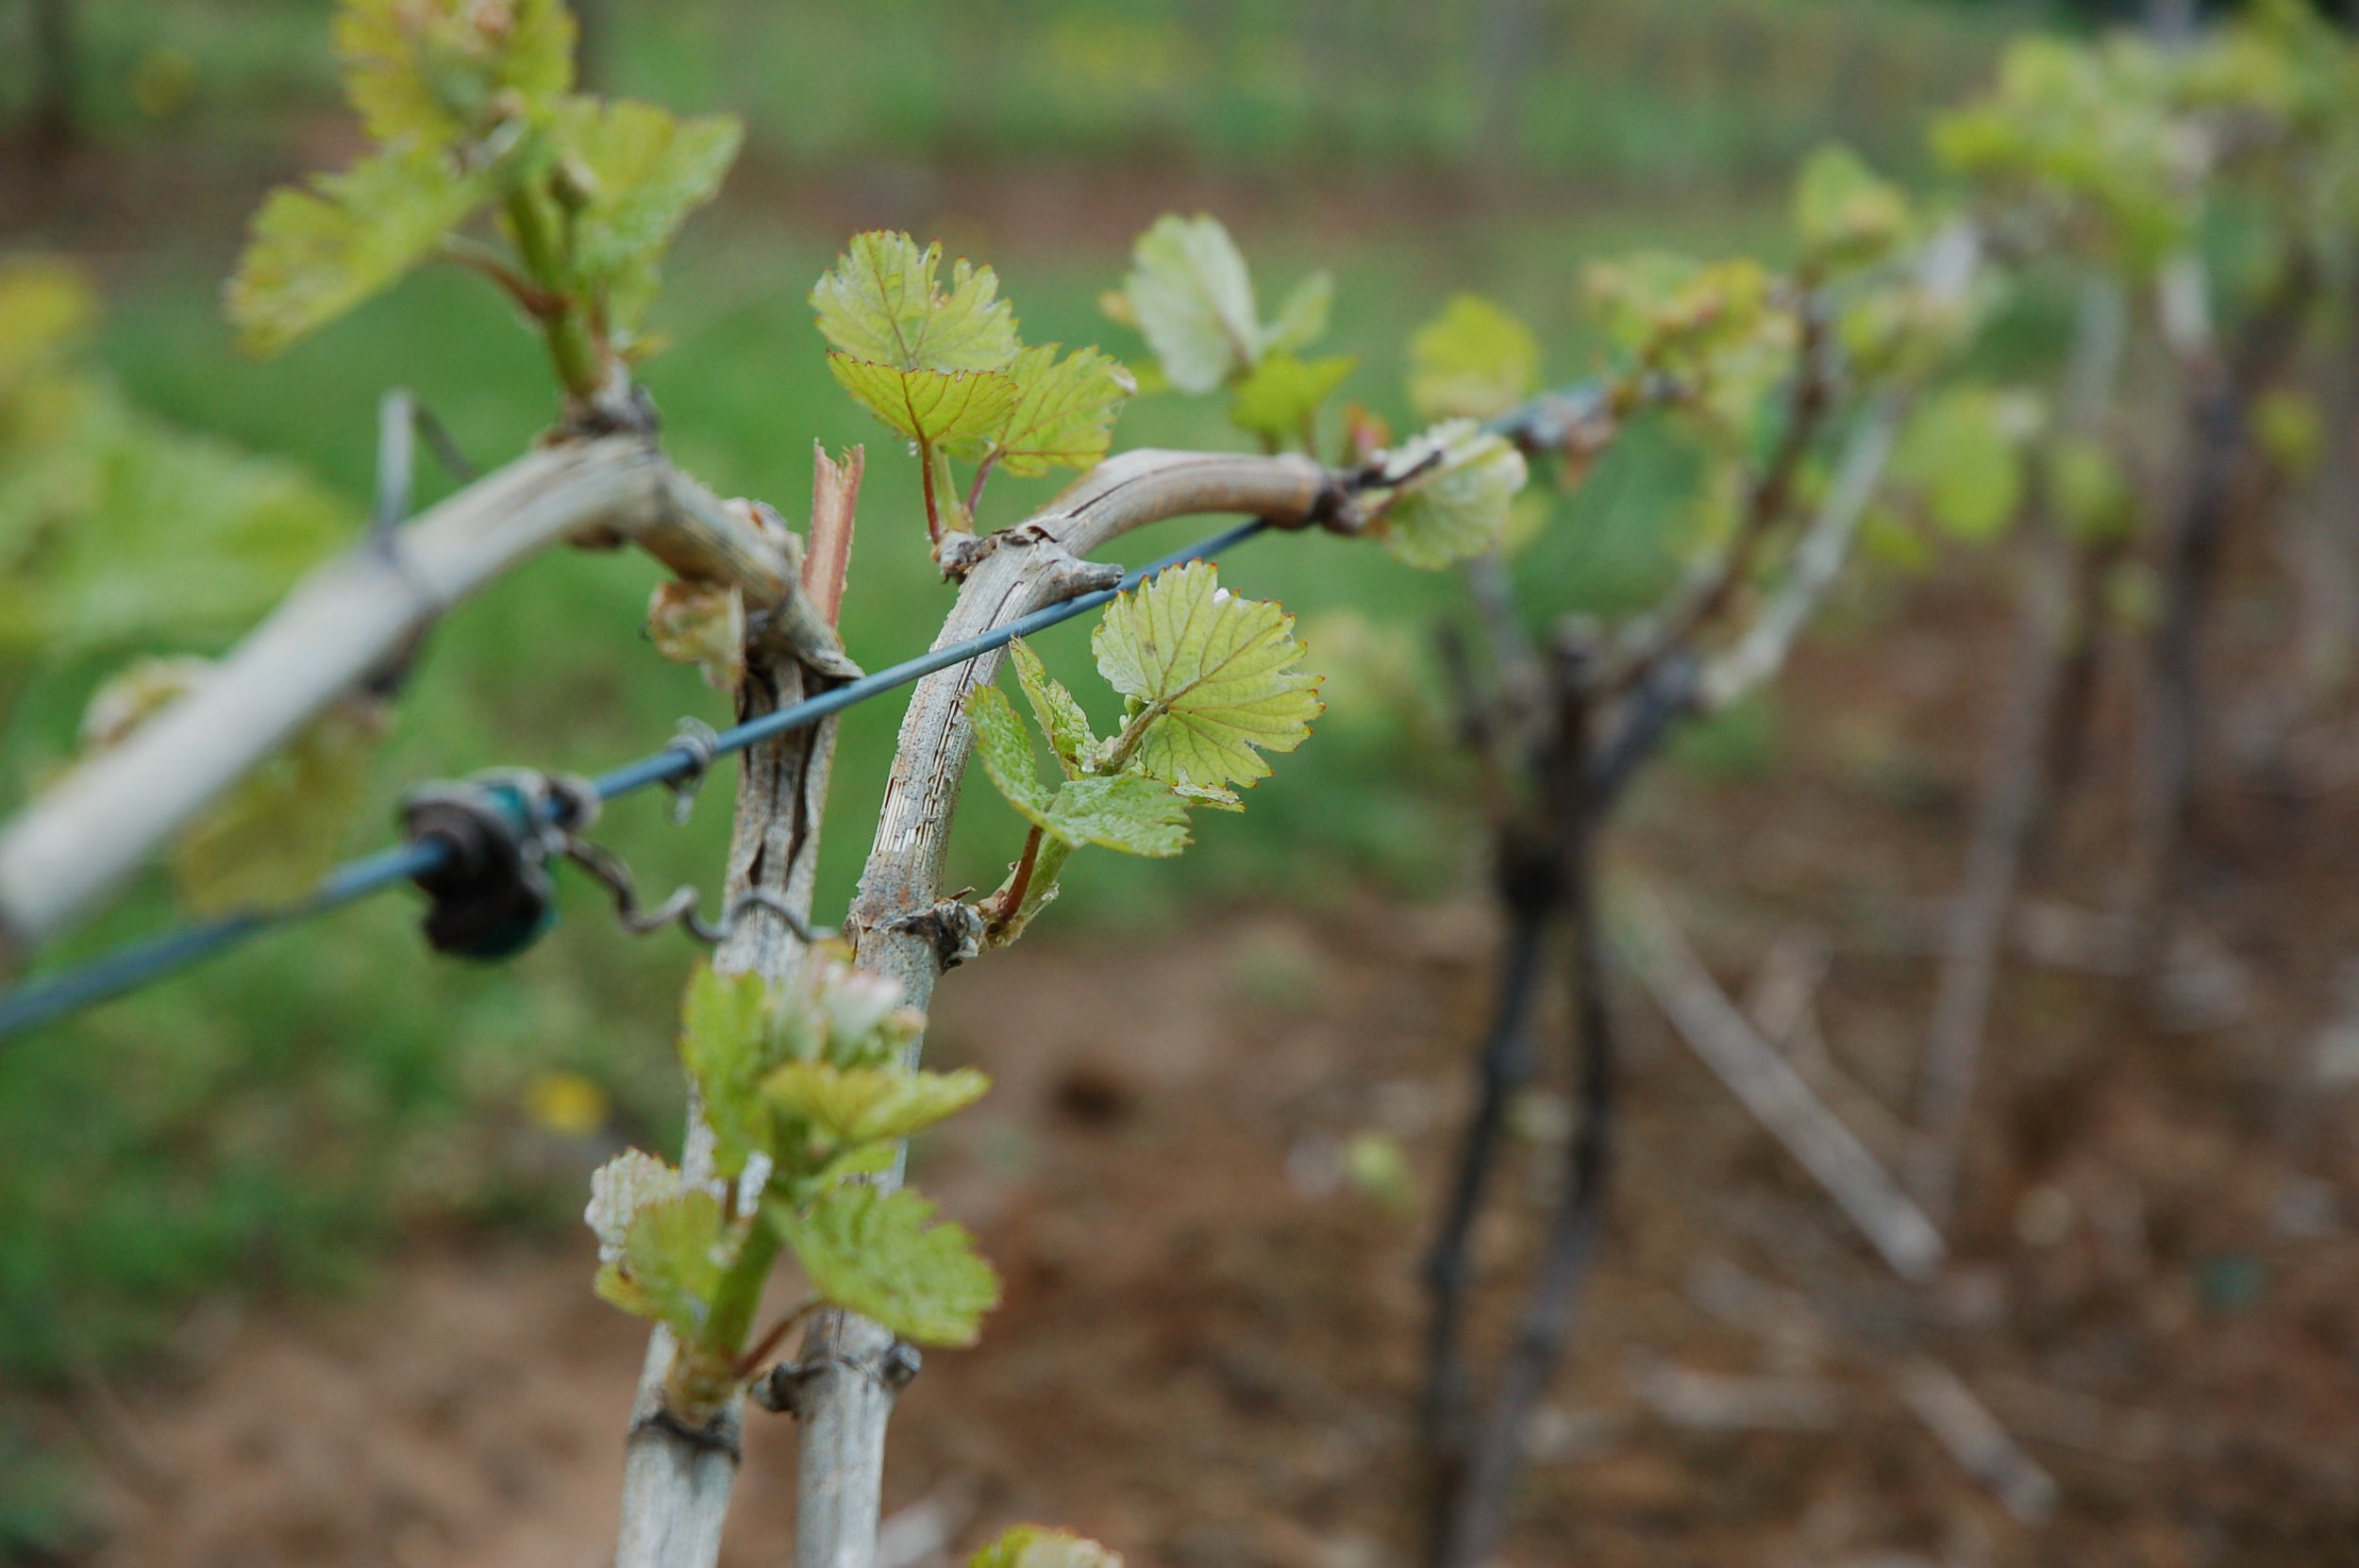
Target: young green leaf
{"points": [[1278, 396], [2092, 496], [1194, 300], [1064, 409], [879, 303], [638, 174], [879, 1255], [726, 1043], [1472, 361], [47, 307], [671, 1260], [1059, 716], [865, 1159], [1031, 1546], [735, 1032], [1214, 678], [724, 1024], [1216, 796], [56, 437], [1301, 316], [863, 1105], [317, 253], [1377, 1164], [2290, 429], [1961, 454], [954, 410], [1455, 499], [1677, 312], [1128, 811], [2088, 131], [1844, 214], [1005, 749], [437, 72], [1890, 538]]}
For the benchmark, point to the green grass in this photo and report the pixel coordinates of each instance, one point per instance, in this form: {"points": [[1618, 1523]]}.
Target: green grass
{"points": [[1603, 91]]}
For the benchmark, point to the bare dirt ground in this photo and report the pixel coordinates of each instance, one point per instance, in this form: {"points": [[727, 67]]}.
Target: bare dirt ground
{"points": [[1208, 1352]]}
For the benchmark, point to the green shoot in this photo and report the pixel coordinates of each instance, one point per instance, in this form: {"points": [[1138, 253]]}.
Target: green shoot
{"points": [[807, 1093], [947, 370], [470, 108], [1210, 681]]}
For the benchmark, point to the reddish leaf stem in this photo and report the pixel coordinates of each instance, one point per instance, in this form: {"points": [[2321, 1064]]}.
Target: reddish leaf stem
{"points": [[974, 490], [933, 509], [762, 1349], [1004, 906]]}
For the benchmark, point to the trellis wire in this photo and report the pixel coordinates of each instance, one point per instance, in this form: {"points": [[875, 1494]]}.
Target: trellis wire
{"points": [[141, 963]]}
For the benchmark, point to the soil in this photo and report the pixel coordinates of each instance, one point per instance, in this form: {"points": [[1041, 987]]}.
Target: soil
{"points": [[1208, 1356]]}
